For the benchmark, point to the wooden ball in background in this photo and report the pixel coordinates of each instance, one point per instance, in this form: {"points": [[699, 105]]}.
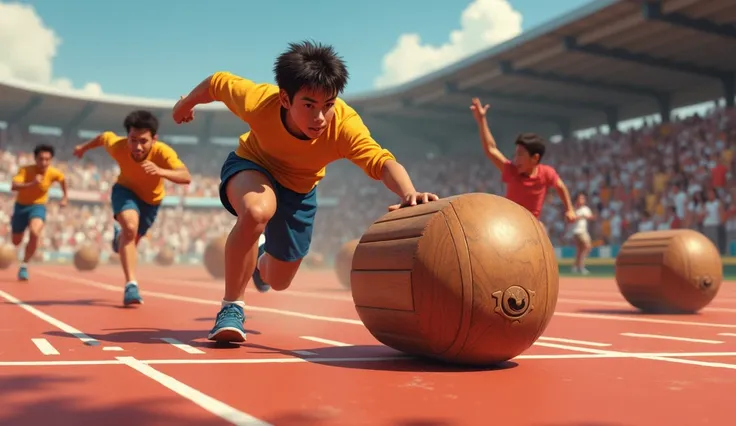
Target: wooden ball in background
{"points": [[165, 257], [8, 256], [214, 257], [471, 279], [673, 271], [87, 257]]}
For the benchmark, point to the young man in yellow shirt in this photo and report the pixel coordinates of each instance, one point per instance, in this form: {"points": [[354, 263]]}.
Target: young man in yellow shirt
{"points": [[297, 128], [144, 163], [32, 184]]}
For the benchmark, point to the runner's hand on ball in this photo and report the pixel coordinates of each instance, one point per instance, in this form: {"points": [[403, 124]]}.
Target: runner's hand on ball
{"points": [[413, 199]]}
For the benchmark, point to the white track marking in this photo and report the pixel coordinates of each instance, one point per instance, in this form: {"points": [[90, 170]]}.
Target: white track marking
{"points": [[574, 342], [197, 300], [646, 356], [623, 318], [627, 305], [727, 334], [679, 339], [304, 353], [182, 346], [45, 347], [112, 348], [349, 298], [325, 341], [66, 328], [206, 402]]}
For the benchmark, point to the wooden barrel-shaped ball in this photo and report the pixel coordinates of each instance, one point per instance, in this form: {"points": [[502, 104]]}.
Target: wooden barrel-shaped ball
{"points": [[165, 257], [673, 271], [344, 261], [8, 256], [214, 257], [471, 279], [87, 257]]}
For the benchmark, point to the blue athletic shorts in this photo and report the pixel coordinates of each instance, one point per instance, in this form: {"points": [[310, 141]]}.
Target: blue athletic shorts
{"points": [[123, 199], [289, 232], [22, 215]]}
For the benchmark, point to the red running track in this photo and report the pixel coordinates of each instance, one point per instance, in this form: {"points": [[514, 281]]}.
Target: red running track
{"points": [[71, 354]]}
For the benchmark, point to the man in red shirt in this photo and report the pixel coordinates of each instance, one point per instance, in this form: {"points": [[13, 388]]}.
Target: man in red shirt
{"points": [[526, 179]]}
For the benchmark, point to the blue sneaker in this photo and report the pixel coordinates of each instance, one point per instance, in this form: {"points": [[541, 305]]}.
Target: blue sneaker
{"points": [[23, 273], [131, 295], [261, 285], [116, 238], [229, 325]]}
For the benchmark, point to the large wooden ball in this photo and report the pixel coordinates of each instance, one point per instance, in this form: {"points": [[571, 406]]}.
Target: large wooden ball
{"points": [[87, 257], [674, 271], [471, 279], [165, 257], [214, 257], [8, 256], [344, 261]]}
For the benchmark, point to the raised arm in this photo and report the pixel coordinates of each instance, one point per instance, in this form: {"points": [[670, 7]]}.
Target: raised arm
{"points": [[489, 143]]}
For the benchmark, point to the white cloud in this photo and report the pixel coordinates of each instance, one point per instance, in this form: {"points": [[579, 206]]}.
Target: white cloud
{"points": [[28, 48], [484, 23]]}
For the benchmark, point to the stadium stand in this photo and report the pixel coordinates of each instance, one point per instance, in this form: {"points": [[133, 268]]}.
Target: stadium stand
{"points": [[598, 68]]}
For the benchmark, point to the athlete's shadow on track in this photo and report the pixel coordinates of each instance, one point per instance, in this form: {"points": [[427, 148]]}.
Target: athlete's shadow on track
{"points": [[154, 336], [377, 358]]}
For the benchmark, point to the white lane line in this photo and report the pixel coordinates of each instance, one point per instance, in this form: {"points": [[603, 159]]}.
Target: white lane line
{"points": [[574, 342], [645, 356], [304, 353], [206, 402], [45, 347], [679, 339], [316, 294], [325, 341], [199, 301], [622, 318], [182, 346], [727, 334], [66, 328], [112, 348], [627, 305]]}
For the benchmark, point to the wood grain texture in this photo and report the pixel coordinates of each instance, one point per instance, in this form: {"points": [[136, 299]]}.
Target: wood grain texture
{"points": [[674, 271], [440, 279]]}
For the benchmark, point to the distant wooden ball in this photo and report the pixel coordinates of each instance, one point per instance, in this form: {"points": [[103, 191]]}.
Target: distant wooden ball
{"points": [[214, 257], [165, 257], [673, 271], [8, 256], [344, 261], [471, 279], [87, 257]]}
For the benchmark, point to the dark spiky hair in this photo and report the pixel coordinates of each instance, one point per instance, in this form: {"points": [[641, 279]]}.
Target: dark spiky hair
{"points": [[312, 66], [143, 120], [532, 143]]}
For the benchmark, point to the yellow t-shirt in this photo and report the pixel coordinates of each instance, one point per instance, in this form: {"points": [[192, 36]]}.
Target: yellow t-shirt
{"points": [[295, 163], [36, 194], [150, 189]]}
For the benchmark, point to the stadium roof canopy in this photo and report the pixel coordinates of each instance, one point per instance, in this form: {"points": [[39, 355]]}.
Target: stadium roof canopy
{"points": [[609, 61]]}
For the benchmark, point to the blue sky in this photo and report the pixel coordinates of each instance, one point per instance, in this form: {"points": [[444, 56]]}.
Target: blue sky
{"points": [[161, 48]]}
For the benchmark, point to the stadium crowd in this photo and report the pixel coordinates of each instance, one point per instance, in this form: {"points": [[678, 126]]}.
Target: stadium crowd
{"points": [[662, 176]]}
